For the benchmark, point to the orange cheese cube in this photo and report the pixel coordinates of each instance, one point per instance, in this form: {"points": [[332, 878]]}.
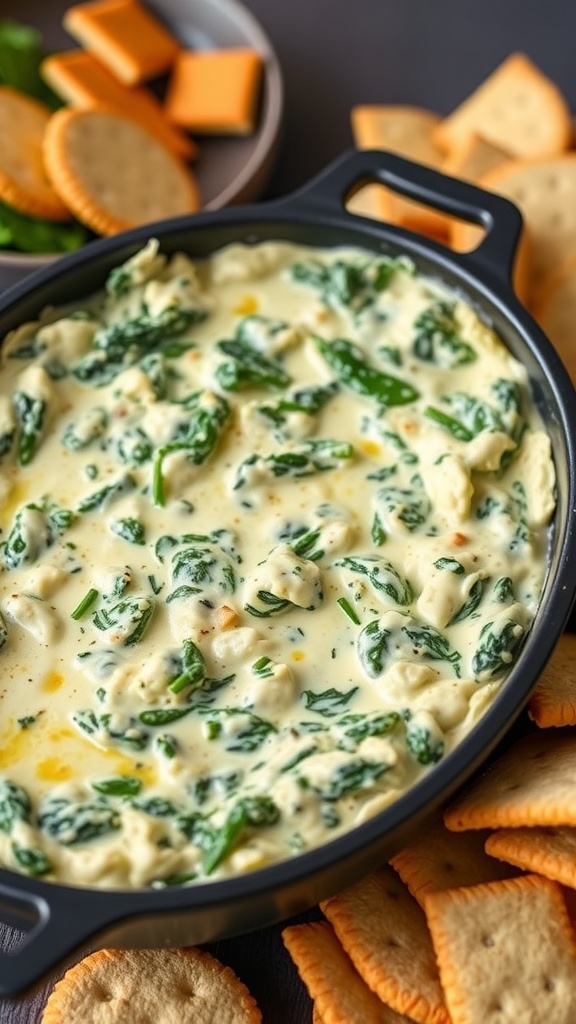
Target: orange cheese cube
{"points": [[125, 36], [215, 91], [82, 81]]}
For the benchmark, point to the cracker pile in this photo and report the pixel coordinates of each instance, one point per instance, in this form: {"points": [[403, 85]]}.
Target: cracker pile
{"points": [[119, 153], [514, 135], [475, 921]]}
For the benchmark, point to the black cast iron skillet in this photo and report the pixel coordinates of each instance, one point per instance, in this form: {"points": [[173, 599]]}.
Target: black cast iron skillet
{"points": [[60, 919]]}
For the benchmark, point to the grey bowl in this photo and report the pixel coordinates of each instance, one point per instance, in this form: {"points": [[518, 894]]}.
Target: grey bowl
{"points": [[229, 170]]}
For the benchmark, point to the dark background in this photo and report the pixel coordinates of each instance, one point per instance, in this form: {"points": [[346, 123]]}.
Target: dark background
{"points": [[338, 53], [335, 54]]}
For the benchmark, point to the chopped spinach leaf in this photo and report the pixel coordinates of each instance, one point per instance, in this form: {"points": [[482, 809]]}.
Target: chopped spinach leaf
{"points": [[330, 702]]}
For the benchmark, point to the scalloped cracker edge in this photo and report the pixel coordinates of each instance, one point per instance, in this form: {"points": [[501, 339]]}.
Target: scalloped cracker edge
{"points": [[112, 173], [533, 783], [174, 984], [440, 859], [383, 931], [24, 183], [506, 952], [340, 995]]}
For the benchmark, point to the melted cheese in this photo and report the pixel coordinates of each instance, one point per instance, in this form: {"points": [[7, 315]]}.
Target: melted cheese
{"points": [[274, 528]]}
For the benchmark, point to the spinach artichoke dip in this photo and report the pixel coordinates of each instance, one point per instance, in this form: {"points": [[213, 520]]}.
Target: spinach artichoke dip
{"points": [[273, 529]]}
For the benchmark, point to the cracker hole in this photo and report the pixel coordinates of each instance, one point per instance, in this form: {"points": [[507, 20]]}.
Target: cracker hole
{"points": [[488, 941], [449, 866], [393, 943], [185, 991], [102, 995], [548, 985]]}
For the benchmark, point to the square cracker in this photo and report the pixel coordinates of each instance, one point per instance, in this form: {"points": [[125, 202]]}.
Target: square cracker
{"points": [[532, 783], [383, 931], [553, 702], [339, 993], [440, 859], [406, 130], [506, 952], [545, 851], [517, 107]]}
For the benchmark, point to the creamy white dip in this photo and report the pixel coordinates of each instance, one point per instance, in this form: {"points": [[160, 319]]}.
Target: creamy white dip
{"points": [[273, 529]]}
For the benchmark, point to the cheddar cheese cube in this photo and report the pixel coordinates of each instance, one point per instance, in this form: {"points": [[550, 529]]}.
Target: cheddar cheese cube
{"points": [[82, 81], [215, 91], [125, 36]]}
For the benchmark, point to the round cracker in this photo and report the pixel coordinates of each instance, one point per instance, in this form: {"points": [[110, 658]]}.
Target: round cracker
{"points": [[150, 986], [112, 173], [23, 180]]}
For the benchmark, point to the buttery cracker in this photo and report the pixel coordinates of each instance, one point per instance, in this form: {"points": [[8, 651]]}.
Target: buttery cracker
{"points": [[82, 81], [545, 192], [113, 174], [339, 993], [506, 952], [439, 859], [407, 131], [383, 931], [23, 180], [517, 108], [533, 783], [370, 201], [474, 158], [125, 36], [401, 129], [546, 851], [554, 308], [167, 986]]}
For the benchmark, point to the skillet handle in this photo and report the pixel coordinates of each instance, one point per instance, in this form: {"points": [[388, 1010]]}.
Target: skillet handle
{"points": [[60, 923], [500, 218]]}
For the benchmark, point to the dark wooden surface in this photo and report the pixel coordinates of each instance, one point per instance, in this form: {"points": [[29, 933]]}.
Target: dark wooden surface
{"points": [[334, 54]]}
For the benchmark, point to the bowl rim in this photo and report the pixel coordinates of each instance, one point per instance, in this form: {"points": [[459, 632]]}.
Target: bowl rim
{"points": [[372, 841]]}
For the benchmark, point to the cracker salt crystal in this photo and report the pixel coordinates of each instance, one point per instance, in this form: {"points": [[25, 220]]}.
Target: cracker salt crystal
{"points": [[383, 931], [533, 783], [440, 859], [506, 952], [339, 993], [130, 986]]}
